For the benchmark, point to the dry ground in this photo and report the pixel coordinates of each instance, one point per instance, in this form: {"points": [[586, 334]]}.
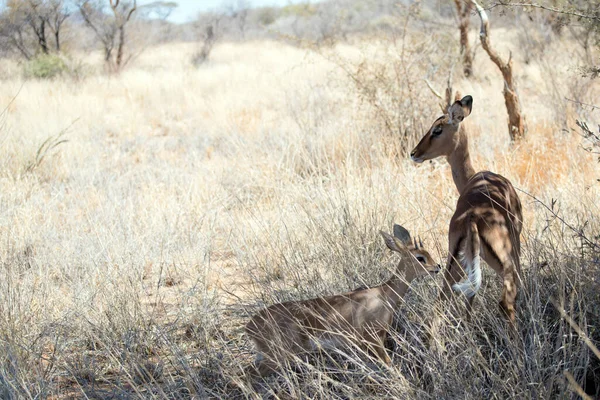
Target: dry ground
{"points": [[184, 199]]}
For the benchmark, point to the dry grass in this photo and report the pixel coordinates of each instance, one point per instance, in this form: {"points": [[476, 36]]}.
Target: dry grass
{"points": [[186, 198]]}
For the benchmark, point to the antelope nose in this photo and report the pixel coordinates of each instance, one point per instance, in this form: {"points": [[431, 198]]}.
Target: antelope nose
{"points": [[412, 153]]}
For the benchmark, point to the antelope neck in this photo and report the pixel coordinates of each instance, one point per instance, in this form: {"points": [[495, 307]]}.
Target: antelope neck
{"points": [[460, 162], [396, 288]]}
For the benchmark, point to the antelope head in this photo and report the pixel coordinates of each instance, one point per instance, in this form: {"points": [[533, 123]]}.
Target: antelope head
{"points": [[442, 138], [419, 262]]}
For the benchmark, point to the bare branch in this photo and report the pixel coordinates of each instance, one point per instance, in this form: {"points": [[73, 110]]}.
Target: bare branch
{"points": [[132, 10], [550, 209], [547, 8], [88, 20], [435, 92], [583, 104], [484, 35]]}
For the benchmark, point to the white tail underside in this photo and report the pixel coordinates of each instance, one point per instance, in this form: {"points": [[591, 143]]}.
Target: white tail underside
{"points": [[471, 285]]}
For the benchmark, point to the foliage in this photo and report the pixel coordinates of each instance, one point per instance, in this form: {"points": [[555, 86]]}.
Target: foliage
{"points": [[299, 10], [134, 254], [45, 66], [28, 26]]}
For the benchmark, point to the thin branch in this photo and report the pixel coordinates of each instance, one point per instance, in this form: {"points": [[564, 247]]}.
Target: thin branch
{"points": [[89, 22], [553, 9], [114, 4], [132, 10], [583, 104], [435, 92], [561, 219]]}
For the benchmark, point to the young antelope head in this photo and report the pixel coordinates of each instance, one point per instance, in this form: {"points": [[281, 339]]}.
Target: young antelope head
{"points": [[419, 262], [442, 138]]}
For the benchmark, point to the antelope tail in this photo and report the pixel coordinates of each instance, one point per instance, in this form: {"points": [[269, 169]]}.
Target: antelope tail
{"points": [[471, 262]]}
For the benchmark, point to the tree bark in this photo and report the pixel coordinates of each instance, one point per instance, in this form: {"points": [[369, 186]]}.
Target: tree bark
{"points": [[121, 19], [516, 120], [57, 40], [464, 10], [40, 32], [119, 59]]}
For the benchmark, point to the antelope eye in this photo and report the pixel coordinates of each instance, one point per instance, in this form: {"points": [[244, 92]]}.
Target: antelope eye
{"points": [[421, 259], [437, 131]]}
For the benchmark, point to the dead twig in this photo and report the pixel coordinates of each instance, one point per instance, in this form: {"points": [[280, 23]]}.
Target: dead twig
{"points": [[543, 7], [435, 92], [561, 219]]}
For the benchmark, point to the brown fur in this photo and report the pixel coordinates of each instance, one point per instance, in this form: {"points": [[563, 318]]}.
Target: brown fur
{"points": [[362, 317], [488, 205]]}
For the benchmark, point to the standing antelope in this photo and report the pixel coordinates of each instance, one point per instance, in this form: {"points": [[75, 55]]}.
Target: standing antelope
{"points": [[362, 317], [487, 221]]}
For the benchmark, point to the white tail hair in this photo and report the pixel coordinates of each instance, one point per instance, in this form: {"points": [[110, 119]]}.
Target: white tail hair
{"points": [[470, 260]]}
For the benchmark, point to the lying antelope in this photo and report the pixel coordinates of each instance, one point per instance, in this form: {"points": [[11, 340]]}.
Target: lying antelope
{"points": [[362, 316], [487, 222]]}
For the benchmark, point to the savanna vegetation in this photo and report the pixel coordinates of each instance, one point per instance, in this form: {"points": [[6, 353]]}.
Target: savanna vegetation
{"points": [[160, 183]]}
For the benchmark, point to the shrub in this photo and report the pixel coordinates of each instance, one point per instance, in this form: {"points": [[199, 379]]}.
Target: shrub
{"points": [[45, 66]]}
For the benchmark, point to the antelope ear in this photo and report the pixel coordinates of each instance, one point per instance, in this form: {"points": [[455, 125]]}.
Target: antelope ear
{"points": [[467, 104], [402, 234], [391, 242], [460, 110]]}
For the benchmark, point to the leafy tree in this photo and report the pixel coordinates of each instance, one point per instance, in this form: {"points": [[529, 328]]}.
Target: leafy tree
{"points": [[29, 26]]}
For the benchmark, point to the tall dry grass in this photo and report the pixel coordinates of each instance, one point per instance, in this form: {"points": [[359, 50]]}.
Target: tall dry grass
{"points": [[185, 199]]}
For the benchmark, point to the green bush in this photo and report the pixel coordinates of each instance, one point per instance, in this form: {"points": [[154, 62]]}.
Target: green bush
{"points": [[45, 66]]}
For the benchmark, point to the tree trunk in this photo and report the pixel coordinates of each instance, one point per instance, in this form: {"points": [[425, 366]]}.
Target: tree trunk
{"points": [[41, 34], [121, 46], [57, 40], [209, 41], [121, 18], [464, 10], [516, 120]]}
